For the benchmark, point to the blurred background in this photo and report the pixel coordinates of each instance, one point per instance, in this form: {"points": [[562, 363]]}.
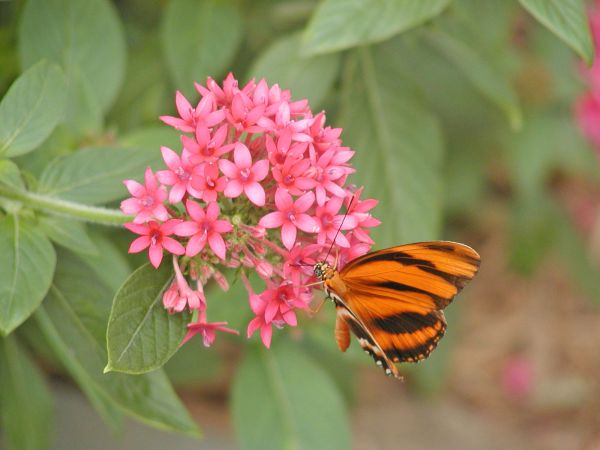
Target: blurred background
{"points": [[472, 120]]}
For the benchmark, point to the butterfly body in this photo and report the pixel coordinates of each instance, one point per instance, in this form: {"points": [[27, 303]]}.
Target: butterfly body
{"points": [[392, 299]]}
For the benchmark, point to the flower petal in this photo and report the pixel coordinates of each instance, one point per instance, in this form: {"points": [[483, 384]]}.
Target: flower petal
{"points": [[288, 235], [228, 168], [271, 220], [304, 202], [241, 156], [195, 244], [139, 244], [255, 193], [173, 246], [266, 332], [155, 254], [260, 169], [217, 245], [234, 189]]}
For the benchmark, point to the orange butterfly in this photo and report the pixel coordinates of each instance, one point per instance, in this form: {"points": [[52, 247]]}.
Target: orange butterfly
{"points": [[392, 299]]}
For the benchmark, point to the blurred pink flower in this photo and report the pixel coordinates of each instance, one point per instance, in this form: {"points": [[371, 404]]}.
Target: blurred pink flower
{"points": [[517, 377], [155, 237], [207, 331], [147, 201], [587, 106]]}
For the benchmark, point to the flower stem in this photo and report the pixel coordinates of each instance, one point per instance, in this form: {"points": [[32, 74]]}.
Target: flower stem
{"points": [[53, 205]]}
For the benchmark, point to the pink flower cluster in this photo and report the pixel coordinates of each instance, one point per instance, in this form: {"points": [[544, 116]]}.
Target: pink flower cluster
{"points": [[587, 107], [259, 185]]}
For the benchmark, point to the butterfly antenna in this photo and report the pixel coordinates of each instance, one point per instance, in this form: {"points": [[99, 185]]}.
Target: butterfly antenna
{"points": [[340, 228]]}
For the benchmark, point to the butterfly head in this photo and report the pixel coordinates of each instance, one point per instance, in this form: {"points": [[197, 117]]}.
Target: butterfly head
{"points": [[323, 270]]}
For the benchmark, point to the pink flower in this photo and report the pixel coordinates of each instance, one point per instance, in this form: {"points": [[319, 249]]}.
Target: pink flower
{"points": [[207, 331], [204, 228], [178, 176], [207, 183], [147, 201], [291, 216], [262, 167], [275, 306], [330, 222], [155, 237], [517, 377], [207, 148], [587, 110], [190, 117], [245, 176]]}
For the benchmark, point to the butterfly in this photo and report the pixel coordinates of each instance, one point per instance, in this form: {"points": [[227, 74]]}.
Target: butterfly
{"points": [[392, 300]]}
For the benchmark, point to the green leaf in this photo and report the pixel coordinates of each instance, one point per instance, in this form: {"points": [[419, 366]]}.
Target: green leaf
{"points": [[27, 259], [340, 24], [73, 320], [26, 401], [491, 83], [309, 78], [10, 175], [152, 138], [31, 109], [141, 334], [199, 39], [86, 39], [68, 233], [398, 147], [95, 175], [282, 400], [567, 20], [111, 265]]}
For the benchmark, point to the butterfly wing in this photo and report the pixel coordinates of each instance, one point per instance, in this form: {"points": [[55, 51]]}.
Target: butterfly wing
{"points": [[394, 297]]}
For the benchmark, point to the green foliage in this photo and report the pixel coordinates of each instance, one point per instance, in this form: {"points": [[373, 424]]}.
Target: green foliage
{"points": [[26, 402], [404, 136], [309, 78], [95, 175], [31, 109], [339, 24], [73, 320], [566, 19], [141, 334], [200, 39], [28, 261], [86, 40], [281, 399]]}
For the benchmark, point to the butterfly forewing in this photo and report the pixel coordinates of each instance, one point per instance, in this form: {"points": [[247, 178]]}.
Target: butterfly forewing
{"points": [[394, 297]]}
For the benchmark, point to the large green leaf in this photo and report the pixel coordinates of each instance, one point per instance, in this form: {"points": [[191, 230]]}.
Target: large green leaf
{"points": [[85, 37], [491, 83], [141, 334], [310, 77], [341, 24], [27, 259], [398, 146], [26, 401], [69, 233], [95, 175], [199, 39], [73, 320], [567, 20], [282, 400], [31, 109]]}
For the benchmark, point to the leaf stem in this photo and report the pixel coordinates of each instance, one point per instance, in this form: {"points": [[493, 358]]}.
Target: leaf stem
{"points": [[57, 206]]}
